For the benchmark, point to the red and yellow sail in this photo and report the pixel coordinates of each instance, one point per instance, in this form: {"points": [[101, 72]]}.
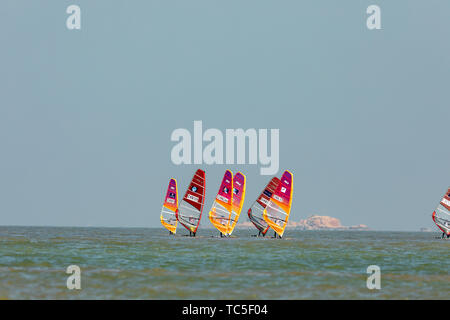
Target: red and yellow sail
{"points": [[220, 212], [239, 181], [170, 206], [276, 214]]}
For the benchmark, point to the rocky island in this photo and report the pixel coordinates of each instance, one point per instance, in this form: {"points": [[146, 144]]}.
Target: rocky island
{"points": [[316, 222]]}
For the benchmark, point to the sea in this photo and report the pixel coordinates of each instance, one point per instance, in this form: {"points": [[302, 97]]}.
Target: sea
{"points": [[148, 263]]}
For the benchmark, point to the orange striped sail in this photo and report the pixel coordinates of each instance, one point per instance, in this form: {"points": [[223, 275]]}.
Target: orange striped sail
{"points": [[170, 206], [239, 181], [220, 213], [276, 214]]}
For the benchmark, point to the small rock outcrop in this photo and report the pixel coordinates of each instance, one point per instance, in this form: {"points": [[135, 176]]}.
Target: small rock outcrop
{"points": [[316, 222]]}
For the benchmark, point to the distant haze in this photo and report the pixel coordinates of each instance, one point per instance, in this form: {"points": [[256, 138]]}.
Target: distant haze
{"points": [[86, 115]]}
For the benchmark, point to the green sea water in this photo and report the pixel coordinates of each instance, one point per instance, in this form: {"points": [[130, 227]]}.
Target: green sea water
{"points": [[134, 263]]}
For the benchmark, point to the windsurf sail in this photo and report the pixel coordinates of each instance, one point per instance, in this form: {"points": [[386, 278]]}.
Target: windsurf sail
{"points": [[239, 181], [190, 209], [220, 213], [441, 216], [277, 211], [255, 213], [169, 208]]}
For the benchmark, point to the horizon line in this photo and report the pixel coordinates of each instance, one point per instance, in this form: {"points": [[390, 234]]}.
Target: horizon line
{"points": [[212, 228]]}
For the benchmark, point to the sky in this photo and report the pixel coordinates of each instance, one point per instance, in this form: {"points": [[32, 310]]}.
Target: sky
{"points": [[86, 115]]}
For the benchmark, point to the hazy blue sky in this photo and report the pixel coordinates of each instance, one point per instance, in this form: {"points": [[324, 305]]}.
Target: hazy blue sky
{"points": [[86, 115]]}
